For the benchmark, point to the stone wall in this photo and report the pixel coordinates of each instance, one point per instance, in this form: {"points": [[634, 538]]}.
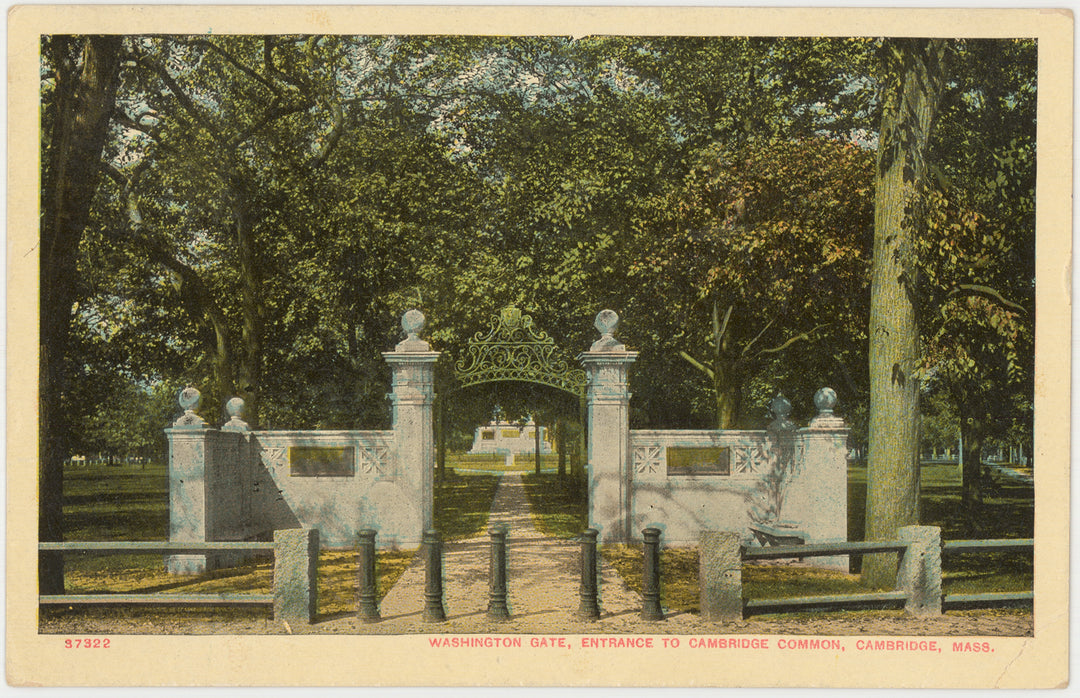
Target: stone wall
{"points": [[372, 492], [784, 481], [235, 483]]}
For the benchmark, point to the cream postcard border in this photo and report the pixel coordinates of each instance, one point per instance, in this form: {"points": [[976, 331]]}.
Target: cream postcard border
{"points": [[1039, 661]]}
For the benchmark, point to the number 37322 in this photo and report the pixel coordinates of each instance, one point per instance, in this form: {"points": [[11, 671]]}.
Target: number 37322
{"points": [[87, 643]]}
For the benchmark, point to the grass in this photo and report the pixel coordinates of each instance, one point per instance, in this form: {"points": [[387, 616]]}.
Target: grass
{"points": [[129, 503], [556, 505], [679, 589], [1007, 512], [463, 504], [495, 462]]}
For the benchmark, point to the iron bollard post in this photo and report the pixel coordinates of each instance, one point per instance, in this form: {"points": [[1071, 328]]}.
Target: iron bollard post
{"points": [[497, 609], [650, 576], [433, 592], [589, 609], [369, 610]]}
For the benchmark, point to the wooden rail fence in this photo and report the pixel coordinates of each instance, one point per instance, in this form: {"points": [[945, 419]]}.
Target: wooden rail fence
{"points": [[295, 592]]}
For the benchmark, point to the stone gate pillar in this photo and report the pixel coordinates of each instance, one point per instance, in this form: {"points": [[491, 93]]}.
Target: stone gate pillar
{"points": [[412, 400], [817, 494], [607, 411], [188, 454]]}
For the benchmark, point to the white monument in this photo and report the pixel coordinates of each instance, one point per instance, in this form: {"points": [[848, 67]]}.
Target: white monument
{"points": [[509, 438]]}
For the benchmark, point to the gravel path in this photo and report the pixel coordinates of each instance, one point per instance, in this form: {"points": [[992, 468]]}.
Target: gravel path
{"points": [[544, 577]]}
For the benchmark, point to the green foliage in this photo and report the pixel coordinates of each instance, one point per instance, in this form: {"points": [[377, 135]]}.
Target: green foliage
{"points": [[766, 248], [275, 203]]}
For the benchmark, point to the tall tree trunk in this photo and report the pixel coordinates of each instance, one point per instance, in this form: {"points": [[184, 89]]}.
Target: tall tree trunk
{"points": [[728, 393], [971, 431], [84, 100], [913, 80], [249, 373]]}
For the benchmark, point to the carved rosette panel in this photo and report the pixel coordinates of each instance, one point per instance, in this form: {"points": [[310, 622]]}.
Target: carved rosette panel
{"points": [[750, 459], [374, 459], [275, 456], [514, 350], [648, 459]]}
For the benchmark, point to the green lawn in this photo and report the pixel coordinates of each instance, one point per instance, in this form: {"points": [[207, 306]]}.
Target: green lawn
{"points": [[130, 503], [557, 505], [496, 463], [1008, 512], [463, 504]]}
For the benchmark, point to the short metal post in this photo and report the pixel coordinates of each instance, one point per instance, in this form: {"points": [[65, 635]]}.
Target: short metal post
{"points": [[650, 576], [433, 601], [589, 609], [369, 610], [497, 609]]}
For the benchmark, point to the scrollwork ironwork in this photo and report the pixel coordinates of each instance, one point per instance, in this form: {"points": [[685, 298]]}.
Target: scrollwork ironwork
{"points": [[515, 350]]}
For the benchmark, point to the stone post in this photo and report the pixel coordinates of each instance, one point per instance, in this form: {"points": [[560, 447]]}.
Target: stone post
{"points": [[720, 576], [188, 447], [919, 569], [816, 497], [607, 415], [413, 365], [296, 566]]}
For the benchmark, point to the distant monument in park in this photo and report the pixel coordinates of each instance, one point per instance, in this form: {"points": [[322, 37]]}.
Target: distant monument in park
{"points": [[499, 436]]}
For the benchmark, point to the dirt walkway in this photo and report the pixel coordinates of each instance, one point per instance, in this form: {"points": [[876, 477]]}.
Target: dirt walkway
{"points": [[543, 573]]}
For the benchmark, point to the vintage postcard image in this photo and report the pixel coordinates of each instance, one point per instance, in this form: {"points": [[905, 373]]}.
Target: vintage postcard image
{"points": [[538, 346]]}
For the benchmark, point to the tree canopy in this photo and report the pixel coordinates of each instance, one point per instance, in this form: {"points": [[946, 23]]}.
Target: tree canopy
{"points": [[270, 205]]}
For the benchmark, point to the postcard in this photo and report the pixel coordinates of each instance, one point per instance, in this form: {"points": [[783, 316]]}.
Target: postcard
{"points": [[538, 346]]}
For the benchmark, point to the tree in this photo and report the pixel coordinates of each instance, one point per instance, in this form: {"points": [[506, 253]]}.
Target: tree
{"points": [[82, 75], [765, 250], [912, 82], [978, 261]]}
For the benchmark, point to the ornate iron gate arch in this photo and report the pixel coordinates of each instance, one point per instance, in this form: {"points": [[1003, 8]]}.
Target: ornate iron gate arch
{"points": [[513, 349]]}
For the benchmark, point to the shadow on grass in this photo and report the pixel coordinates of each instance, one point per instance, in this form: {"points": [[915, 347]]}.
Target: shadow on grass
{"points": [[558, 505], [462, 505]]}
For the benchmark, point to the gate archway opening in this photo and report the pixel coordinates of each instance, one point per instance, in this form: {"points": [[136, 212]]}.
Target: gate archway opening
{"points": [[514, 350]]}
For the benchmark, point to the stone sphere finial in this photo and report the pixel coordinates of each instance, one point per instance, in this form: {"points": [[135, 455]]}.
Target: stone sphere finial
{"points": [[190, 399], [606, 322], [412, 322], [235, 407], [825, 400], [780, 407]]}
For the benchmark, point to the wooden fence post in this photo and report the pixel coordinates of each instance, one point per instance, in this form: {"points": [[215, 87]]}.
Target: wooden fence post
{"points": [[296, 562], [919, 570]]}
